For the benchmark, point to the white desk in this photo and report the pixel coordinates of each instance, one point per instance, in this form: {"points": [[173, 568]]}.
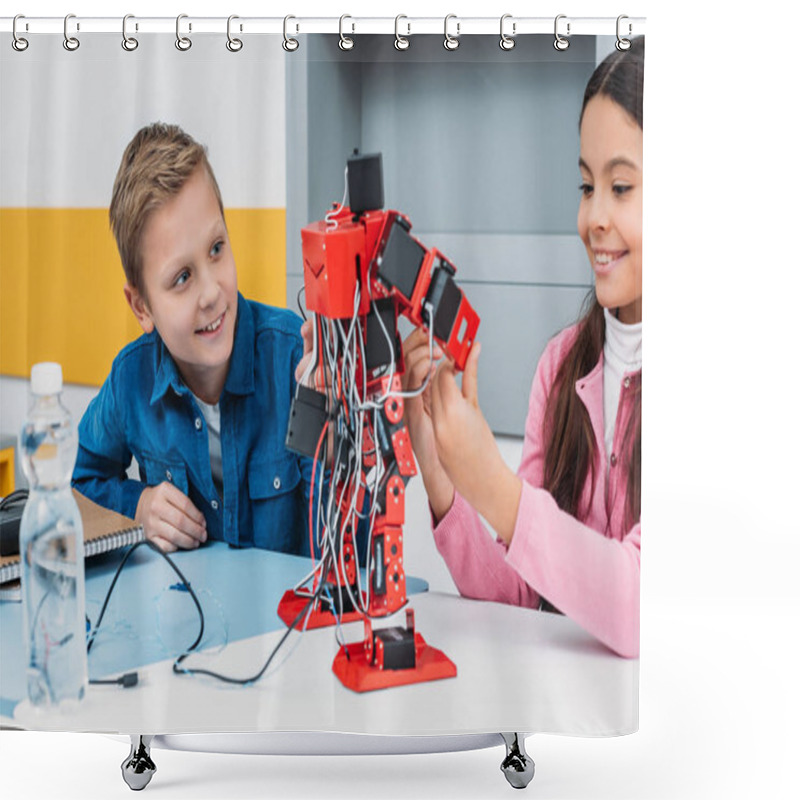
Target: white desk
{"points": [[518, 669]]}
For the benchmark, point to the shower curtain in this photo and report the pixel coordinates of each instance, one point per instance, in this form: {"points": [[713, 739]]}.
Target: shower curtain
{"points": [[479, 150]]}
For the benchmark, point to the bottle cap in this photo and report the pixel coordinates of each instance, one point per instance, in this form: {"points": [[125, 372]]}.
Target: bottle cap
{"points": [[46, 378]]}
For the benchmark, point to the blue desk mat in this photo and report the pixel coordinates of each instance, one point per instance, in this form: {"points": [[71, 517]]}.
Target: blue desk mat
{"points": [[150, 618]]}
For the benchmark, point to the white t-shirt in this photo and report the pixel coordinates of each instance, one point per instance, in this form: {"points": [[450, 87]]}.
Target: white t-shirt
{"points": [[212, 418], [622, 352]]}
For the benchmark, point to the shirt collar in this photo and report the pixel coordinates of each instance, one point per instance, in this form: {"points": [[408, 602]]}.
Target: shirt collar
{"points": [[240, 380]]}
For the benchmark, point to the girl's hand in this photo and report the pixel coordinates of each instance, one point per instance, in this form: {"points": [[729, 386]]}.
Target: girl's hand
{"points": [[170, 519], [418, 365], [307, 333], [315, 379], [467, 449]]}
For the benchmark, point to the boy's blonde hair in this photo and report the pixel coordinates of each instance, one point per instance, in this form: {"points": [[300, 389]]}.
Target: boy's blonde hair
{"points": [[155, 166]]}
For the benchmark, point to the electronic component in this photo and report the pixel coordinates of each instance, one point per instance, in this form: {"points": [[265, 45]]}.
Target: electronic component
{"points": [[307, 418], [362, 270]]}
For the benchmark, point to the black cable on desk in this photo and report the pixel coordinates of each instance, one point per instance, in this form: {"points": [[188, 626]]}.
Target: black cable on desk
{"points": [[130, 679]]}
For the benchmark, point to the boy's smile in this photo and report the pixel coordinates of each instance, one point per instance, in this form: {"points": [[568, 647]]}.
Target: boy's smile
{"points": [[189, 290]]}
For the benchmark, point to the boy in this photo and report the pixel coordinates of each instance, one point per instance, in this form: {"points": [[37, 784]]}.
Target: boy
{"points": [[202, 399]]}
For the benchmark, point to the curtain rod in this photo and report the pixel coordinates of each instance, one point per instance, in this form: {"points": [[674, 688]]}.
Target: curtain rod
{"points": [[348, 25]]}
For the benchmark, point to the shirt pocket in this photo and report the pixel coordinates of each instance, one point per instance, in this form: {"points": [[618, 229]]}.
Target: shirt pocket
{"points": [[158, 470], [272, 483]]}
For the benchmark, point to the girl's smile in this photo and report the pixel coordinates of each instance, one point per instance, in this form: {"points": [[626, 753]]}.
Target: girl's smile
{"points": [[610, 213]]}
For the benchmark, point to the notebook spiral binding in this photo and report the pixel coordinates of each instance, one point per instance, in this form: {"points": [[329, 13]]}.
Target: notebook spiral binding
{"points": [[93, 547]]}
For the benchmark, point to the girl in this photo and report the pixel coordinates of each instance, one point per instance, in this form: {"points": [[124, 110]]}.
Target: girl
{"points": [[567, 523]]}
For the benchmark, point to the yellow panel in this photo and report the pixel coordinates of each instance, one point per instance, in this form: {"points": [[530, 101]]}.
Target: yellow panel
{"points": [[258, 240], [61, 285], [7, 477]]}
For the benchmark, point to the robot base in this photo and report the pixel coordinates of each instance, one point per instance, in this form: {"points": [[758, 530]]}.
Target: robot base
{"points": [[292, 604], [358, 674]]}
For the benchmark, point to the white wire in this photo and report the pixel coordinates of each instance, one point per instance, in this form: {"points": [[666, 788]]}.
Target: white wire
{"points": [[330, 218]]}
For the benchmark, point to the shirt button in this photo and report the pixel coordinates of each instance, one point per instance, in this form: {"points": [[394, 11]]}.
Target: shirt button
{"points": [[627, 382], [613, 460], [198, 423], [277, 482], [169, 476], [214, 505]]}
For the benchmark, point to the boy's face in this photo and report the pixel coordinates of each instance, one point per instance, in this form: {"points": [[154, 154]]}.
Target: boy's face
{"points": [[190, 289]]}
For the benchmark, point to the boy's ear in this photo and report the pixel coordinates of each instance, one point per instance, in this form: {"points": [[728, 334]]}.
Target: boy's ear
{"points": [[139, 308]]}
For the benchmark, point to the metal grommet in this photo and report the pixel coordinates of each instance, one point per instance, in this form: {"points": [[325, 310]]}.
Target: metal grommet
{"points": [[507, 42], [233, 44], [623, 44], [451, 42], [183, 43], [401, 42], [560, 42], [289, 44], [345, 42], [70, 42], [18, 42], [276, 483], [129, 43]]}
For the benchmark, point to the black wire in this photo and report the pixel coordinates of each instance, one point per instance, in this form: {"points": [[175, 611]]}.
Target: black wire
{"points": [[175, 667], [300, 308]]}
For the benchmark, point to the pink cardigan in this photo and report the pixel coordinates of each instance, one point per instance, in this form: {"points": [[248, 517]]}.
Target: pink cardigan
{"points": [[587, 568]]}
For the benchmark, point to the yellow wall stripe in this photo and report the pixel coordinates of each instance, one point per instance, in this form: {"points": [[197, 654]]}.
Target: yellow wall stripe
{"points": [[61, 285]]}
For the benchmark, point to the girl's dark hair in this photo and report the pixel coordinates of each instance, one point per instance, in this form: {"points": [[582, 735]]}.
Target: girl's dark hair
{"points": [[620, 77], [570, 445]]}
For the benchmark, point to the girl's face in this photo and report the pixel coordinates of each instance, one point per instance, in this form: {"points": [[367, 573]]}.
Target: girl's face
{"points": [[610, 213]]}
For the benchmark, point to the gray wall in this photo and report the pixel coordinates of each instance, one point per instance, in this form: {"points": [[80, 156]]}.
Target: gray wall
{"points": [[480, 150]]}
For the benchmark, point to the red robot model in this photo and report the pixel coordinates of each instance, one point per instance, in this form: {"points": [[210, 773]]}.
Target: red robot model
{"points": [[362, 270]]}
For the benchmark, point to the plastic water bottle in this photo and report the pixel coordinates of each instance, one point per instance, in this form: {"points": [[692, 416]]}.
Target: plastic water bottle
{"points": [[51, 550]]}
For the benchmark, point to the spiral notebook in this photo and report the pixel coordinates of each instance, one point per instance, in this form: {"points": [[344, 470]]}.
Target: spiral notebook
{"points": [[103, 530]]}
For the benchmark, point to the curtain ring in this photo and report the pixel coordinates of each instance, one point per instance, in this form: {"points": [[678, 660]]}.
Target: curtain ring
{"points": [[18, 43], [451, 42], [623, 44], [289, 44], [183, 43], [70, 42], [560, 42], [401, 42], [345, 42], [129, 43], [233, 44], [507, 42]]}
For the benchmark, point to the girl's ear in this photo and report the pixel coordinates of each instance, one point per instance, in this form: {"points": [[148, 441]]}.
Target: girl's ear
{"points": [[139, 307]]}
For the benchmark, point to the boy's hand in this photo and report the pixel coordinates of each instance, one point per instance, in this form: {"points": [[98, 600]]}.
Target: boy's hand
{"points": [[418, 365], [170, 519]]}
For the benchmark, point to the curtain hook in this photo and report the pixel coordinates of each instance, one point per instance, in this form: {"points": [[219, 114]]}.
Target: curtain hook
{"points": [[129, 43], [289, 44], [182, 42], [623, 44], [18, 42], [70, 42], [560, 42], [507, 42], [401, 42], [451, 42], [345, 42], [233, 44]]}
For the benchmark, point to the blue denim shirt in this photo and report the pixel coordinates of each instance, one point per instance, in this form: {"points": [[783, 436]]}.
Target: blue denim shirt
{"points": [[144, 410]]}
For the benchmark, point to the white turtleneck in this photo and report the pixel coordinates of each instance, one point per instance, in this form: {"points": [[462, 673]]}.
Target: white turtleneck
{"points": [[622, 353]]}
